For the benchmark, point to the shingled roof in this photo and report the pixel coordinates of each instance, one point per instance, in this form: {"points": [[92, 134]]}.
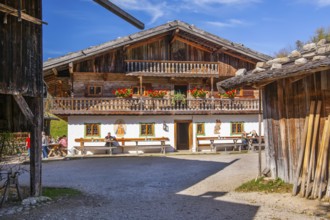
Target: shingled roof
{"points": [[313, 58], [213, 40]]}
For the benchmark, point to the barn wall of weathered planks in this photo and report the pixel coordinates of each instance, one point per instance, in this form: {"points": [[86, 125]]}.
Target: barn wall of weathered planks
{"points": [[21, 80], [20, 50], [286, 104], [21, 62]]}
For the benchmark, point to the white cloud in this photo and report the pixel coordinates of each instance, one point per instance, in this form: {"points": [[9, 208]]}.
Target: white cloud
{"points": [[319, 3], [154, 9], [228, 23], [323, 3], [223, 2]]}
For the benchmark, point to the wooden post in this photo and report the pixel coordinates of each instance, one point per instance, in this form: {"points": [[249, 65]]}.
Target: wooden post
{"points": [[212, 89], [307, 147], [325, 156], [35, 150], [141, 103], [259, 131], [311, 168], [301, 157]]}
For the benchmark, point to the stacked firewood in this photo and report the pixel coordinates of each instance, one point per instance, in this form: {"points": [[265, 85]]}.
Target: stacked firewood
{"points": [[312, 179]]}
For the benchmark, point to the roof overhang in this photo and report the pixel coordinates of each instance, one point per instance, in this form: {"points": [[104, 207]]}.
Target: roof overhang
{"points": [[264, 78]]}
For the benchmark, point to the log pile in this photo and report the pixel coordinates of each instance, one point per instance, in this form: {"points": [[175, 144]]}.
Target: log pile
{"points": [[312, 179]]}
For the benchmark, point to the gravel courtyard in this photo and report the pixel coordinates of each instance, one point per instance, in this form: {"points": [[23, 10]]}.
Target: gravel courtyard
{"points": [[171, 187]]}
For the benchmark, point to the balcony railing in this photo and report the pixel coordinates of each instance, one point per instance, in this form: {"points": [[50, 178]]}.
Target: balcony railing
{"points": [[173, 67], [67, 106]]}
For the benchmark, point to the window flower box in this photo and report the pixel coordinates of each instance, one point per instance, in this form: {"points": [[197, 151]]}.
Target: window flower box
{"points": [[198, 93], [229, 94], [156, 93], [123, 93]]}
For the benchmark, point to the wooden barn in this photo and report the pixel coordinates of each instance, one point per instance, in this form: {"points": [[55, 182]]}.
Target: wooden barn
{"points": [[21, 81], [296, 112]]}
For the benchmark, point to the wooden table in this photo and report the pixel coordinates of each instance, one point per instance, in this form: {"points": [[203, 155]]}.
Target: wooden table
{"points": [[55, 148]]}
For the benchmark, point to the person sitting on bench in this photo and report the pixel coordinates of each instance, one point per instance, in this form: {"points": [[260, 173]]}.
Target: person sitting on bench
{"points": [[245, 141], [254, 137], [110, 141]]}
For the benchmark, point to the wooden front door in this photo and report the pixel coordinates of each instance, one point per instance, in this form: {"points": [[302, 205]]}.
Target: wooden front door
{"points": [[183, 135]]}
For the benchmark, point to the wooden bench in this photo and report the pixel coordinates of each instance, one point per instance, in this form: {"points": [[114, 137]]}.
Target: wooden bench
{"points": [[84, 148], [147, 143], [214, 146], [123, 144], [254, 146]]}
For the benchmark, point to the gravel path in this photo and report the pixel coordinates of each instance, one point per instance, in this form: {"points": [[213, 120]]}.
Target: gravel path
{"points": [[171, 187]]}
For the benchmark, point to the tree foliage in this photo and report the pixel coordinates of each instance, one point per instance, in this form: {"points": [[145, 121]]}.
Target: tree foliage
{"points": [[320, 33]]}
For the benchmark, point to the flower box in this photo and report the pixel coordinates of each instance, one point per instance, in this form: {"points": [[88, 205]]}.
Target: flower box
{"points": [[198, 93], [229, 94], [123, 93], [156, 93]]}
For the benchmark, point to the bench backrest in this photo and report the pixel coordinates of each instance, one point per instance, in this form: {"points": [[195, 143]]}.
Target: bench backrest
{"points": [[122, 140]]}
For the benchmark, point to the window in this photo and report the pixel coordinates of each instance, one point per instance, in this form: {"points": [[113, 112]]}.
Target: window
{"points": [[92, 130], [94, 90], [237, 127], [136, 90], [200, 128], [147, 129], [239, 92]]}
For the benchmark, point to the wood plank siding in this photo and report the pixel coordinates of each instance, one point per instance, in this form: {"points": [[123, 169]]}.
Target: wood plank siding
{"points": [[286, 105], [169, 54], [20, 46], [21, 77]]}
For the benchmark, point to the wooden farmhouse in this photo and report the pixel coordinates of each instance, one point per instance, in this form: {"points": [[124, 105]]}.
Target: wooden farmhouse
{"points": [[21, 81], [140, 86], [296, 112]]}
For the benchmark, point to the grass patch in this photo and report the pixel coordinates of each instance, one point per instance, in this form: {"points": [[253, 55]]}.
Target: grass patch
{"points": [[58, 128], [265, 185], [55, 193]]}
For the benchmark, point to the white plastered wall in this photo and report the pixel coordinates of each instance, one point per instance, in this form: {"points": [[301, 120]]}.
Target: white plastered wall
{"points": [[76, 126]]}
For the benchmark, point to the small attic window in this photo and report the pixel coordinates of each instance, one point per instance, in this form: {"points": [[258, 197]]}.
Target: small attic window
{"points": [[63, 73]]}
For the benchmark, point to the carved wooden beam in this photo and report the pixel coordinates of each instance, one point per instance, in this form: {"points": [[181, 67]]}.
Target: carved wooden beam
{"points": [[54, 70], [18, 13], [24, 108], [198, 46]]}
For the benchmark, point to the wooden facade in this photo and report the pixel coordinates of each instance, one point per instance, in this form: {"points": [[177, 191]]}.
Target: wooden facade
{"points": [[162, 58], [296, 111], [21, 81], [286, 105]]}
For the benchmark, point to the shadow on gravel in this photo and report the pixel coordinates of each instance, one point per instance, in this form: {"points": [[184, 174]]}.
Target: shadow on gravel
{"points": [[141, 188]]}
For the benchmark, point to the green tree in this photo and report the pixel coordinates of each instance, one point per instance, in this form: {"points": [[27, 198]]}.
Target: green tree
{"points": [[320, 33], [299, 45]]}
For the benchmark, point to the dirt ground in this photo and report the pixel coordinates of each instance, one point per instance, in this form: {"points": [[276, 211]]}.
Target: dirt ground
{"points": [[171, 187]]}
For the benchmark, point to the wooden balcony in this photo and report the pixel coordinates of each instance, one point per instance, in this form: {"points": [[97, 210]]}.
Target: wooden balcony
{"points": [[172, 68], [149, 106]]}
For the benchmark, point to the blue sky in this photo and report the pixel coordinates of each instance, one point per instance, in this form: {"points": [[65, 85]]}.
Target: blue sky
{"points": [[263, 25]]}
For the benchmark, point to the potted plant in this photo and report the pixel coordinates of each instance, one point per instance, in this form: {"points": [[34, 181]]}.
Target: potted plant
{"points": [[198, 93], [178, 98], [123, 93], [229, 94], [156, 93]]}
